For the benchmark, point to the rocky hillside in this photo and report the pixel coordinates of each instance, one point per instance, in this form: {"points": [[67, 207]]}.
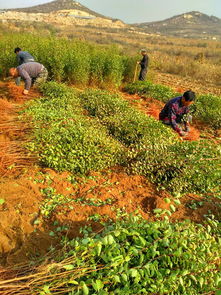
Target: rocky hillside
{"points": [[58, 5], [190, 25], [60, 13]]}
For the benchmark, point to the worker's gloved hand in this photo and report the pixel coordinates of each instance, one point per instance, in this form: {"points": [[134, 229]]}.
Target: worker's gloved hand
{"points": [[187, 129], [18, 81], [25, 92]]}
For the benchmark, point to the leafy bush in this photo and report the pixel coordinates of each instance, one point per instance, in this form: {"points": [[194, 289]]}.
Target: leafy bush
{"points": [[134, 256], [156, 91], [193, 167], [154, 150], [208, 110], [65, 139], [125, 123], [70, 61]]}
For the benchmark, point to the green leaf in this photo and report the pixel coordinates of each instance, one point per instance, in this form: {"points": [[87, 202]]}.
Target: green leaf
{"points": [[201, 281], [157, 210], [51, 234], [181, 281], [73, 282], [117, 279], [133, 273], [177, 202], [167, 200], [99, 248], [99, 285], [124, 277], [218, 292], [46, 289], [2, 201], [68, 267], [84, 288], [110, 239], [172, 207]]}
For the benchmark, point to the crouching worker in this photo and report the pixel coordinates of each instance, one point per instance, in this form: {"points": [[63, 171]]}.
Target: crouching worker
{"points": [[31, 73], [175, 113]]}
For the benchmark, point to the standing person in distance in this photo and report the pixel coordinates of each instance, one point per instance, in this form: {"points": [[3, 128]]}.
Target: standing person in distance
{"points": [[144, 65], [22, 57]]}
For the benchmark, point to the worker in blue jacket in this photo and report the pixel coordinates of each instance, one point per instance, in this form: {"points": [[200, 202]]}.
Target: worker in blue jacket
{"points": [[22, 57]]}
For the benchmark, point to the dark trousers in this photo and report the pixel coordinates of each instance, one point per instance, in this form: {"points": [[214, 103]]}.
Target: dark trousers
{"points": [[143, 74]]}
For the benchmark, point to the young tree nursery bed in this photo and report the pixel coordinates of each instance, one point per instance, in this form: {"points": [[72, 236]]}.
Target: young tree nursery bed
{"points": [[107, 200]]}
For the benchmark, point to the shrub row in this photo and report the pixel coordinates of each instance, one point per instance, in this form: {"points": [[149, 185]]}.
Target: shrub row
{"points": [[115, 133], [125, 123], [64, 138], [133, 256], [192, 167], [71, 61], [153, 149], [206, 109], [148, 89]]}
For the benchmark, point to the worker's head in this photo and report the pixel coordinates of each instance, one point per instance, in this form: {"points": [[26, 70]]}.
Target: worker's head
{"points": [[188, 98], [143, 52], [13, 72], [17, 49]]}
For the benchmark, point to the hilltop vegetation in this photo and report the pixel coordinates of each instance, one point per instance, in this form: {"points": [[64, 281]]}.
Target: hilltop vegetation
{"points": [[192, 24], [57, 5]]}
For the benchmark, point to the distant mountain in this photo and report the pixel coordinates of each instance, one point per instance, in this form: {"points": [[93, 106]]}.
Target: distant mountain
{"points": [[58, 5], [190, 25]]}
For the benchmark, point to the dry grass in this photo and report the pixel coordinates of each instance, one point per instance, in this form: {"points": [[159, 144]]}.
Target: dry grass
{"points": [[30, 280]]}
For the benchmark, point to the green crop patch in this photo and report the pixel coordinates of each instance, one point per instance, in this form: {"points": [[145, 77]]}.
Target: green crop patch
{"points": [[153, 150], [113, 132], [72, 61], [125, 123], [64, 138], [148, 89], [208, 110], [186, 167], [134, 256]]}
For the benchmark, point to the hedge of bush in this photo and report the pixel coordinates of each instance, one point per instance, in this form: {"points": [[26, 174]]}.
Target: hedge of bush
{"points": [[153, 149], [66, 139], [134, 256], [94, 129], [70, 61]]}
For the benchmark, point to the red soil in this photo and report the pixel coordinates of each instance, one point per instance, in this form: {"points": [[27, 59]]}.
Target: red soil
{"points": [[5, 106], [13, 156], [22, 238], [15, 93]]}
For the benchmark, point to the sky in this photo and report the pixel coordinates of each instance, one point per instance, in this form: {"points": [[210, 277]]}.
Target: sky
{"points": [[132, 11]]}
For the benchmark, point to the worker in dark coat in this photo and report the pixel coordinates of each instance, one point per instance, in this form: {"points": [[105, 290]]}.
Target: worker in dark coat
{"points": [[22, 57], [144, 65], [176, 112]]}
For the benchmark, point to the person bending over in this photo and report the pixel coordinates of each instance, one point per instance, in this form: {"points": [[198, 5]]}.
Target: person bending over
{"points": [[175, 112], [31, 73]]}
